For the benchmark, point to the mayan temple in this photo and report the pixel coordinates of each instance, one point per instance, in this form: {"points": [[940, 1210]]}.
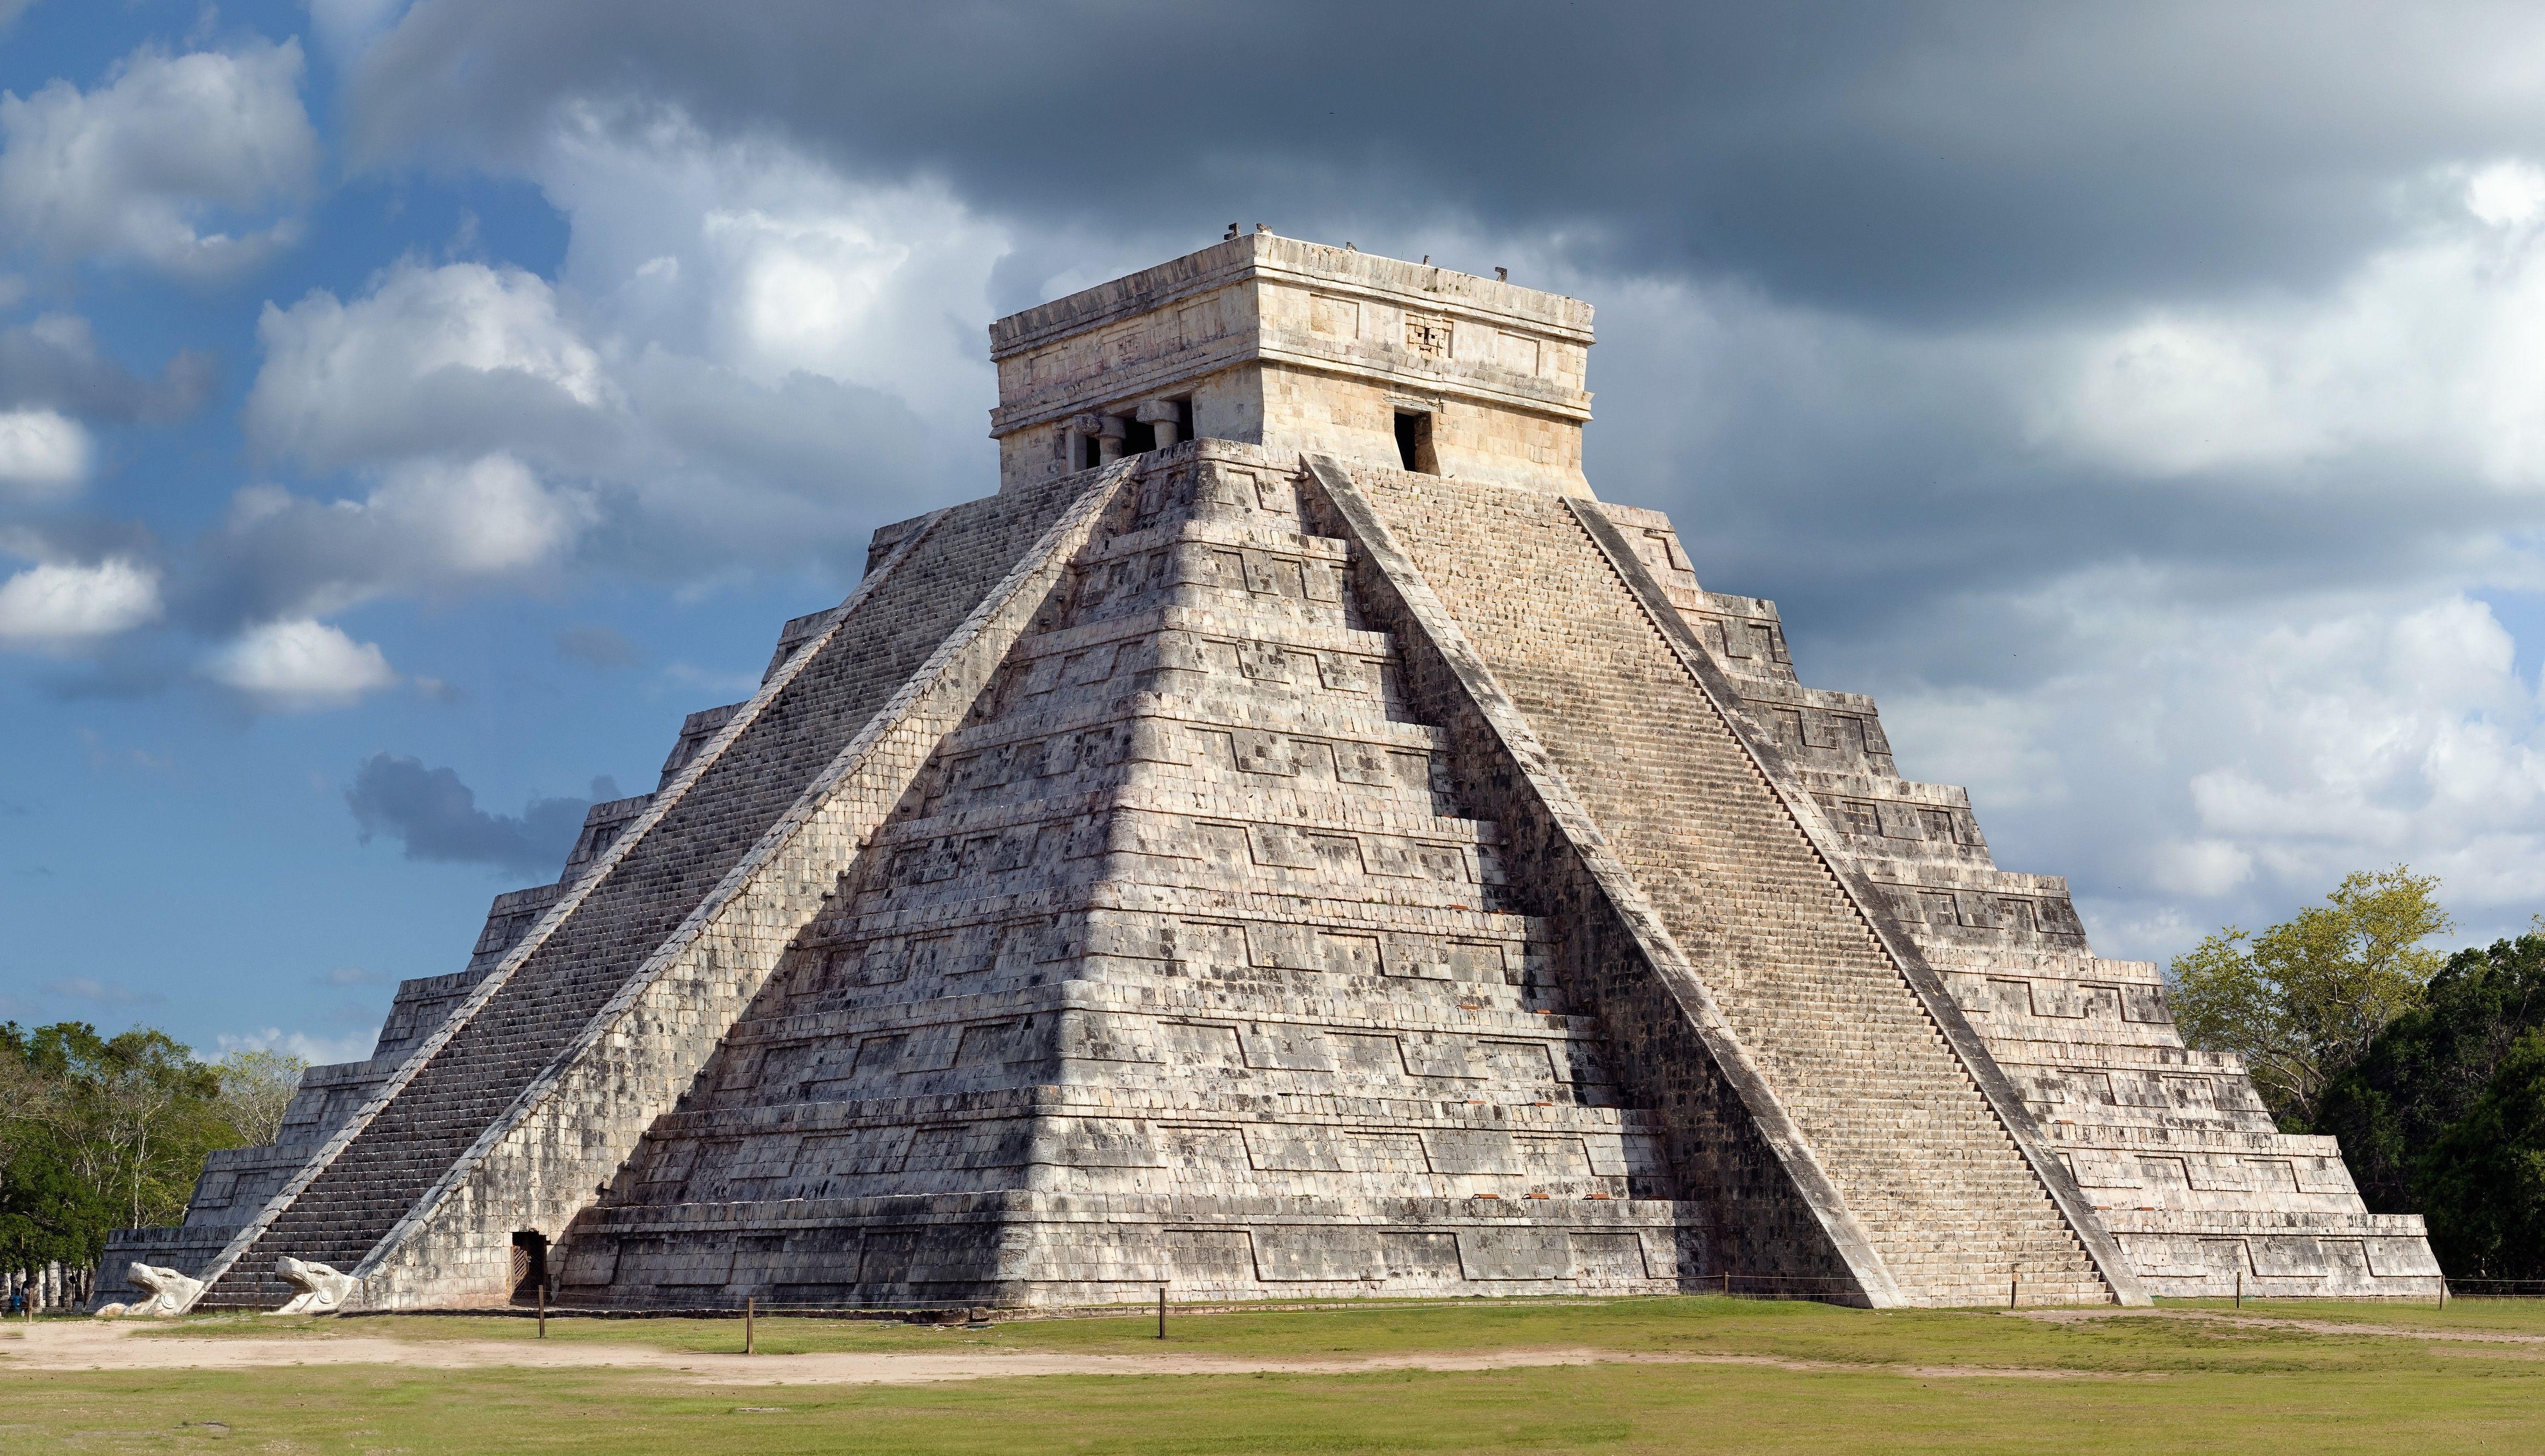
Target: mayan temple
{"points": [[1295, 840]]}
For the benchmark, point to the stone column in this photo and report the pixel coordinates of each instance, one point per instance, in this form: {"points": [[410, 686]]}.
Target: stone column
{"points": [[1162, 416], [1110, 433], [1080, 427]]}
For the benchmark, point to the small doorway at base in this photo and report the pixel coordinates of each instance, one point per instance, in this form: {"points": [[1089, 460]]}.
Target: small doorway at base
{"points": [[529, 1265]]}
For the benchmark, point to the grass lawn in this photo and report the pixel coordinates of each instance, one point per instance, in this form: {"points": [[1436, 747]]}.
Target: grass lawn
{"points": [[1772, 1377]]}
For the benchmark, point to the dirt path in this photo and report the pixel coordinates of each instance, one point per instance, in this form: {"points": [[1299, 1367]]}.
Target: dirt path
{"points": [[2290, 1321], [109, 1347]]}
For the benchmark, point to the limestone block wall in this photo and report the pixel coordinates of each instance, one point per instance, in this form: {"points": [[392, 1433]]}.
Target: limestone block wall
{"points": [[1295, 345]]}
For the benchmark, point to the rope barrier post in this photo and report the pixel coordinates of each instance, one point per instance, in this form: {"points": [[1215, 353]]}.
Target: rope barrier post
{"points": [[2240, 1289], [1727, 1283], [543, 1312], [750, 1321], [2443, 1291], [1162, 1311], [2013, 1286]]}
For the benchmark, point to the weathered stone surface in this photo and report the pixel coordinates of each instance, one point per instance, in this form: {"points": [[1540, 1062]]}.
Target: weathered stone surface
{"points": [[166, 1293], [1377, 870]]}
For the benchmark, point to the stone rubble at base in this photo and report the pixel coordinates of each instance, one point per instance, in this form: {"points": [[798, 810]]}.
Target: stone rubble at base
{"points": [[1292, 840]]}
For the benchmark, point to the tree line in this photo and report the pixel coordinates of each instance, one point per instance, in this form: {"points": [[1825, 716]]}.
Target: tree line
{"points": [[2429, 1067], [99, 1132]]}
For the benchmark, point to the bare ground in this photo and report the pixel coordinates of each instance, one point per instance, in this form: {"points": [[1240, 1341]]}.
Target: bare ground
{"points": [[2285, 1322], [103, 1345]]}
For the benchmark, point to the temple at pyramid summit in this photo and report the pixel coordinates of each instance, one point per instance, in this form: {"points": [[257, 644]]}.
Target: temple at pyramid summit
{"points": [[1293, 840]]}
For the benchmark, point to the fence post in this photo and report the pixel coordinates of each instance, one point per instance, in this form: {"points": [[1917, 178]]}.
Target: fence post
{"points": [[2013, 1287], [543, 1312], [750, 1335], [1162, 1311], [2240, 1289], [2443, 1291]]}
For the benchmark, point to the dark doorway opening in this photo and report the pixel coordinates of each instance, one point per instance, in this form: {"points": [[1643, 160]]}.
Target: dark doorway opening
{"points": [[1140, 439], [530, 1264], [1413, 442], [1087, 452]]}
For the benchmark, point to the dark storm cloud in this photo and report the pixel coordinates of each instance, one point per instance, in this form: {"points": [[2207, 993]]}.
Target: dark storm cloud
{"points": [[1918, 162], [436, 817]]}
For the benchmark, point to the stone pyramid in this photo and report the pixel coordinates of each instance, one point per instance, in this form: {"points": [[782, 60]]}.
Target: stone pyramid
{"points": [[1292, 840]]}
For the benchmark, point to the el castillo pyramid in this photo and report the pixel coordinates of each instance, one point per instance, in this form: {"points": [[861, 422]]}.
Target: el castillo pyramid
{"points": [[1292, 840]]}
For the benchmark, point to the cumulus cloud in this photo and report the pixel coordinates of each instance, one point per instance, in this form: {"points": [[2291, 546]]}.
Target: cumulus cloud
{"points": [[2429, 348], [42, 453], [298, 665], [196, 164], [429, 526], [61, 606], [431, 360], [436, 818], [2190, 767], [683, 455], [317, 1050]]}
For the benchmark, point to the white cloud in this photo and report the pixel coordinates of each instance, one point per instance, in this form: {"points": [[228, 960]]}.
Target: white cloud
{"points": [[318, 1051], [58, 605], [41, 451], [427, 526], [430, 360], [2509, 193], [194, 163], [755, 256], [752, 392], [2432, 351], [2245, 756], [2203, 869], [298, 665], [484, 517]]}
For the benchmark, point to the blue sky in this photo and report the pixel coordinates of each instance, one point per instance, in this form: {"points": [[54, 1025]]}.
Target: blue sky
{"points": [[408, 411]]}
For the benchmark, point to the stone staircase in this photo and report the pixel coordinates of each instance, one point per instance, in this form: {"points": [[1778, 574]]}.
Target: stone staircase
{"points": [[2172, 1147], [1890, 1113], [1180, 930], [654, 871]]}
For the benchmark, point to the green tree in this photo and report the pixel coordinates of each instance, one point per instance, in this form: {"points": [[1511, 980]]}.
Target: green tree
{"points": [[99, 1132], [256, 1087], [2425, 1071], [2303, 1001], [2484, 1180]]}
